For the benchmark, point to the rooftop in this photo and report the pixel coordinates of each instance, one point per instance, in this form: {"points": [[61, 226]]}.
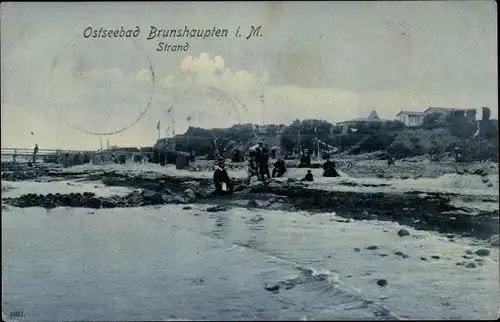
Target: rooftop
{"points": [[412, 113]]}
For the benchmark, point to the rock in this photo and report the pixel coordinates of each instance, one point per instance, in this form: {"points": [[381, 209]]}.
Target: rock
{"points": [[193, 185], [480, 172], [108, 204], [93, 203], [471, 265], [401, 254], [494, 240], [435, 257], [403, 232], [482, 252], [167, 191], [179, 199], [152, 197], [217, 208], [469, 252], [382, 282], [252, 203], [189, 195], [357, 250], [167, 199], [187, 208], [272, 287], [423, 258], [466, 256], [478, 260], [274, 185], [86, 194], [372, 247]]}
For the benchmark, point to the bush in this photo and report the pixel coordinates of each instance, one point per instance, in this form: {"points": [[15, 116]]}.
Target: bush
{"points": [[462, 130]]}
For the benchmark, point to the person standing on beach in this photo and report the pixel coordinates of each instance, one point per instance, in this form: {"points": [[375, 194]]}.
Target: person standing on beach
{"points": [[262, 155], [35, 153]]}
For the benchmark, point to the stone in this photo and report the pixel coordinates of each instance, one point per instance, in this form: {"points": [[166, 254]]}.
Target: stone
{"points": [[403, 232], [108, 204], [189, 195], [216, 208], [252, 203], [187, 208], [357, 250], [272, 287], [167, 198], [274, 185], [471, 265], [494, 240], [482, 252], [152, 197], [93, 203], [382, 282], [435, 257], [372, 247]]}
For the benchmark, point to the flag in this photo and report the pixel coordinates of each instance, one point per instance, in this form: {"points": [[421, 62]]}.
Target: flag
{"points": [[158, 126]]}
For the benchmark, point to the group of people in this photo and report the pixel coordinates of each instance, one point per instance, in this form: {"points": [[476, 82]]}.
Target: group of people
{"points": [[258, 165]]}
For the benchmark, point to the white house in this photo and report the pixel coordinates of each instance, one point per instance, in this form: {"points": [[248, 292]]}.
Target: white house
{"points": [[411, 118]]}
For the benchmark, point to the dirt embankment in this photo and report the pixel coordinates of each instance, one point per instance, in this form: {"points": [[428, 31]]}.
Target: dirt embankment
{"points": [[422, 211]]}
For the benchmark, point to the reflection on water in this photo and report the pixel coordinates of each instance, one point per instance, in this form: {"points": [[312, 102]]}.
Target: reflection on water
{"points": [[165, 263]]}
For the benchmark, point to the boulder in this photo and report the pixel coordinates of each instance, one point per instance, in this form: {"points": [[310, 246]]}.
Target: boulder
{"points": [[382, 282], [93, 203], [152, 197], [108, 204], [403, 232], [482, 252], [494, 240], [217, 208], [189, 195]]}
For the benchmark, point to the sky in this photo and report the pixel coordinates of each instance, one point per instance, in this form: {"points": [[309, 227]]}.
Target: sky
{"points": [[328, 60]]}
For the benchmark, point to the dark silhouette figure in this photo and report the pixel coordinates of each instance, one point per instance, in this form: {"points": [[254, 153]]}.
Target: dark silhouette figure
{"points": [[279, 168], [329, 169], [35, 152], [308, 177], [220, 177], [305, 160], [262, 154]]}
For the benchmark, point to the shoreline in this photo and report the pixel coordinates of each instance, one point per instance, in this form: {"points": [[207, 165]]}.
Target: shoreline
{"points": [[348, 197]]}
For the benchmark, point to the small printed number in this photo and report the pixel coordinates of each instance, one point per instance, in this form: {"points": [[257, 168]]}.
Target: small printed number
{"points": [[17, 314]]}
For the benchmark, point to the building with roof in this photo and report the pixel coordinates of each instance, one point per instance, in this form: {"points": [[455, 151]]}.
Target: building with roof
{"points": [[411, 118], [466, 114], [372, 118]]}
